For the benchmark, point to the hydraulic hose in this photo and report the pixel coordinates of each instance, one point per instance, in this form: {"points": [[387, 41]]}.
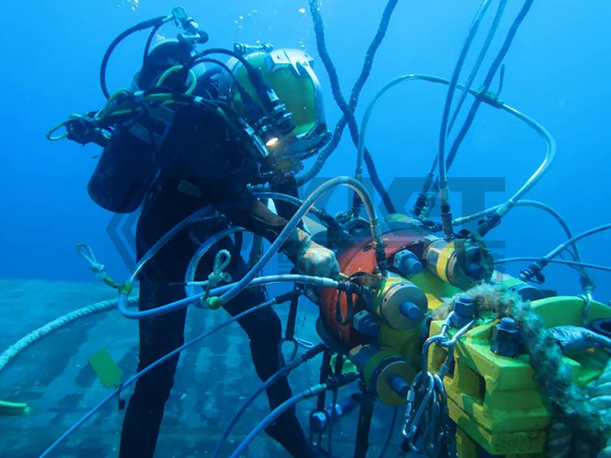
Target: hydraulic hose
{"points": [[271, 417], [556, 251], [282, 372], [391, 430], [495, 214], [503, 209], [319, 282], [287, 198], [348, 109], [584, 265], [474, 108], [196, 216], [489, 78], [534, 270], [245, 282], [480, 60], [331, 384], [587, 282], [453, 86], [527, 203], [149, 368], [376, 233]]}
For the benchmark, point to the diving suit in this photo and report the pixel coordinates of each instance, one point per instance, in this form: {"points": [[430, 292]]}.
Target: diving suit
{"points": [[196, 164]]}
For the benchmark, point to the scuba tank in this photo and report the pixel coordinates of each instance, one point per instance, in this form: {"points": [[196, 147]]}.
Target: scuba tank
{"points": [[127, 167], [123, 175]]}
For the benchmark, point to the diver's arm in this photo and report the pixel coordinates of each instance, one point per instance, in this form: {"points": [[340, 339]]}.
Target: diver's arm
{"points": [[243, 209], [232, 199]]}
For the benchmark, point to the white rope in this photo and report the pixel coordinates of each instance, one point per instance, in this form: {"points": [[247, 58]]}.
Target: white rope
{"points": [[48, 328]]}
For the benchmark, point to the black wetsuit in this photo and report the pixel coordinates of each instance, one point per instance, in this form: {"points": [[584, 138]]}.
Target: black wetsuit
{"points": [[200, 166]]}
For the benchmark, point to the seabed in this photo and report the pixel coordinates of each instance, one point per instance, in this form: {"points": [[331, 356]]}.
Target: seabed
{"points": [[54, 378]]}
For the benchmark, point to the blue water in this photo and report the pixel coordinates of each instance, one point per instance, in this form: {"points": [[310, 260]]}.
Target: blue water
{"points": [[557, 71]]}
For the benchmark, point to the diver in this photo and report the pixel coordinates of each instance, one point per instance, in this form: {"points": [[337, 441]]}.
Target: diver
{"points": [[174, 161]]}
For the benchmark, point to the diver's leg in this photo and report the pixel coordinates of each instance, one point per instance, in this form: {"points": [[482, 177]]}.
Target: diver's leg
{"points": [[158, 337], [264, 330]]}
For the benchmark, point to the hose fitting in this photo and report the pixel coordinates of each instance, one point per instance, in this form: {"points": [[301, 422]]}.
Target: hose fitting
{"points": [[492, 221], [533, 272]]}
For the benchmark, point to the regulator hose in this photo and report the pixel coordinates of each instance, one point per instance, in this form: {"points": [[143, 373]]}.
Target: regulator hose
{"points": [[150, 23], [535, 269]]}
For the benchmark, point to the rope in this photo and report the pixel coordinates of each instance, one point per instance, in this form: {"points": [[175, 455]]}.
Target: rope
{"points": [[218, 275], [48, 328], [85, 252], [11, 352]]}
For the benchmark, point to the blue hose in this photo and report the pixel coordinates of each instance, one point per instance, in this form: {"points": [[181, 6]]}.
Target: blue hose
{"points": [[480, 60], [182, 303], [269, 419], [453, 85]]}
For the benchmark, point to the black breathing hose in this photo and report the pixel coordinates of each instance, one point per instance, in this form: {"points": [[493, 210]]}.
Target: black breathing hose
{"points": [[155, 23], [256, 77], [149, 41], [348, 109]]}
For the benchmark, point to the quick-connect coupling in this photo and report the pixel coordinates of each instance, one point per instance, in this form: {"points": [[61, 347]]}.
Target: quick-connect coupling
{"points": [[379, 246]]}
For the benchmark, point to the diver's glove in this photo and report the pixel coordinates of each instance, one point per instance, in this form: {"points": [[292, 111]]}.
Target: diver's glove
{"points": [[309, 257]]}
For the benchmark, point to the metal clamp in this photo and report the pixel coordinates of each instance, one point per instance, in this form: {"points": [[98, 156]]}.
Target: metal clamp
{"points": [[427, 427]]}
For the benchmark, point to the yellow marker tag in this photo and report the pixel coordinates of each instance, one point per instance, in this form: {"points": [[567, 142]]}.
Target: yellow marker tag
{"points": [[106, 369]]}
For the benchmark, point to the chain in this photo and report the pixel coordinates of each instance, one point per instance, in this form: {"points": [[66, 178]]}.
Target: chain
{"points": [[427, 427]]}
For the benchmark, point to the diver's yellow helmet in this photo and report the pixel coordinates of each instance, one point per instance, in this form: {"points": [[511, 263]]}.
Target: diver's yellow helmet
{"points": [[290, 74]]}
